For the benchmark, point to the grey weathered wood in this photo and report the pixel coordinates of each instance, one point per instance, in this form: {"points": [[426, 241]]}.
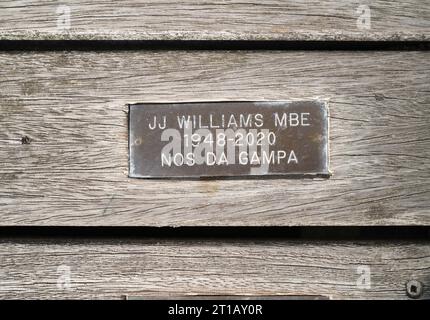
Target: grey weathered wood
{"points": [[74, 171], [214, 20], [36, 269]]}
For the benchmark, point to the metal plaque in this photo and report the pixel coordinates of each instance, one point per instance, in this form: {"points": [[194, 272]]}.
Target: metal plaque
{"points": [[228, 139]]}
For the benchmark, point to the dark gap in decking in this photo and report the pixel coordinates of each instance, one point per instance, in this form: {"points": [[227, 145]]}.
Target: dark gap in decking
{"points": [[302, 233], [115, 45]]}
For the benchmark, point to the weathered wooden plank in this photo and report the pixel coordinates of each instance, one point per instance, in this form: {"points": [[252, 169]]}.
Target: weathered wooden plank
{"points": [[91, 268], [74, 170], [215, 20]]}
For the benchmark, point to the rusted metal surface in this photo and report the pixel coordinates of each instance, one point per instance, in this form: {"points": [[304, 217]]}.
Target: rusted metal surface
{"points": [[228, 139]]}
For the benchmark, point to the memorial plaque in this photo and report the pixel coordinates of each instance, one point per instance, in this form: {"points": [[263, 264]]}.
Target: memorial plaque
{"points": [[228, 139]]}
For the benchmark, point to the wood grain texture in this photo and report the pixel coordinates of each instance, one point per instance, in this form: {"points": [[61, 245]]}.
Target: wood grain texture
{"points": [[214, 20], [37, 269], [71, 105]]}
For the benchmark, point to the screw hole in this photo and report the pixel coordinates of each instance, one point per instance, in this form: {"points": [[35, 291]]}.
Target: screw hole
{"points": [[25, 140], [414, 289]]}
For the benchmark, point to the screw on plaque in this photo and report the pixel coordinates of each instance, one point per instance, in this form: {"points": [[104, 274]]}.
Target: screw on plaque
{"points": [[414, 289]]}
